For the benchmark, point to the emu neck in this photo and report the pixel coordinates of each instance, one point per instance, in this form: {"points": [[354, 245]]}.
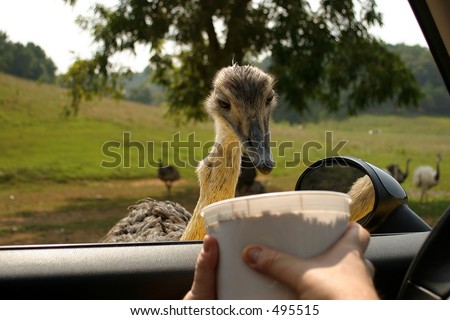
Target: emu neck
{"points": [[217, 174], [437, 175], [407, 168]]}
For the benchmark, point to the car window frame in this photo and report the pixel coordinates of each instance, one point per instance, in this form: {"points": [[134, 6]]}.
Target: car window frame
{"points": [[432, 33]]}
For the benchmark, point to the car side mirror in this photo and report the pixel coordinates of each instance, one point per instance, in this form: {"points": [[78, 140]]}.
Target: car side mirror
{"points": [[379, 203]]}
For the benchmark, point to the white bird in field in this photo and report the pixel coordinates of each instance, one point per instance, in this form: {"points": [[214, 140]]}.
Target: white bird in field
{"points": [[426, 177]]}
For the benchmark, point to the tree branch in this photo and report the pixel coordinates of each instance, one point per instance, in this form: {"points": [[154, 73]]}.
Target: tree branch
{"points": [[235, 44], [208, 13]]}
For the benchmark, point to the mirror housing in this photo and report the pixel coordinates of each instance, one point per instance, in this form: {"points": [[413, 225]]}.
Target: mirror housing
{"points": [[390, 212]]}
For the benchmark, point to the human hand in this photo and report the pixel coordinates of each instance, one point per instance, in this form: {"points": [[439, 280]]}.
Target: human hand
{"points": [[204, 285], [338, 273], [341, 272]]}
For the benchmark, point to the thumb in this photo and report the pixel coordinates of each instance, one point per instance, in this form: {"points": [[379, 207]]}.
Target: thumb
{"points": [[277, 265], [204, 285]]}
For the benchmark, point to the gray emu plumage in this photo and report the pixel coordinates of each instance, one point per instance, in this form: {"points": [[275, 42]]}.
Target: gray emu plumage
{"points": [[168, 174]]}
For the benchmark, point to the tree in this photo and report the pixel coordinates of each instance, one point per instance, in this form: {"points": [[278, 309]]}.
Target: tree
{"points": [[140, 88], [41, 67], [84, 82], [420, 61], [5, 54], [28, 61], [324, 54]]}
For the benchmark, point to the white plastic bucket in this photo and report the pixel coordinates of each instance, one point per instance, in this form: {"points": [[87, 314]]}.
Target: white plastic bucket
{"points": [[300, 223]]}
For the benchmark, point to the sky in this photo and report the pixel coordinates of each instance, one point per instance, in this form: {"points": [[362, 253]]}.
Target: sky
{"points": [[51, 25]]}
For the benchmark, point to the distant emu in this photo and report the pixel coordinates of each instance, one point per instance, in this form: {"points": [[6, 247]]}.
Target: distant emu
{"points": [[247, 183], [425, 177], [395, 171], [168, 174]]}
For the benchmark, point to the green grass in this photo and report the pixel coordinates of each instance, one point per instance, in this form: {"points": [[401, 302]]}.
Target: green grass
{"points": [[38, 145]]}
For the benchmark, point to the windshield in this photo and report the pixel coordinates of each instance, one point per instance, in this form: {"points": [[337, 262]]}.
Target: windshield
{"points": [[74, 159]]}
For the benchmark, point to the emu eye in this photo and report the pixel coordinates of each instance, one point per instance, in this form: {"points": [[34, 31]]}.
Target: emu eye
{"points": [[269, 100], [223, 104]]}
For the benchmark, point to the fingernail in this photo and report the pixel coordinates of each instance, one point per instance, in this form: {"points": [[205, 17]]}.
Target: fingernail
{"points": [[253, 254]]}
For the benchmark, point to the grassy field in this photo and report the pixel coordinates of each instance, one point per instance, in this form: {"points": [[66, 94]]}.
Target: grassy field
{"points": [[53, 187]]}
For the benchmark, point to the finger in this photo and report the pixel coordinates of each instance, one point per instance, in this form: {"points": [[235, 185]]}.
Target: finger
{"points": [[363, 236], [277, 265], [363, 241], [354, 238], [204, 285], [370, 268]]}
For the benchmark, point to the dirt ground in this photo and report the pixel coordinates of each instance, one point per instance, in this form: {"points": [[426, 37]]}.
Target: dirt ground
{"points": [[84, 211], [77, 212]]}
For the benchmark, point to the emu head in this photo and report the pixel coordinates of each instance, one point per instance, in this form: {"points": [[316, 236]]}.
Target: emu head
{"points": [[242, 100]]}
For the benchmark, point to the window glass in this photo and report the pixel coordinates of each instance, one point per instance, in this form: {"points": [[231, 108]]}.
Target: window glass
{"points": [[70, 179]]}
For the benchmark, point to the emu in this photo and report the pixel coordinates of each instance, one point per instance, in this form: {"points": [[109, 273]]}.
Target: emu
{"points": [[247, 183], [168, 175], [240, 103], [395, 171], [425, 177]]}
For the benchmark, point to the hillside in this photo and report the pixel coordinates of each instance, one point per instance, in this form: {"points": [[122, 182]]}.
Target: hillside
{"points": [[53, 188], [38, 143]]}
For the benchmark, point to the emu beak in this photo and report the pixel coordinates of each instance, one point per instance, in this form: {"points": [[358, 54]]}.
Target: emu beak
{"points": [[258, 148]]}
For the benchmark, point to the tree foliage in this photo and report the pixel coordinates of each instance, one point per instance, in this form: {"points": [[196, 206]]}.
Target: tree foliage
{"points": [[323, 54], [435, 95], [26, 61], [84, 81], [138, 87]]}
